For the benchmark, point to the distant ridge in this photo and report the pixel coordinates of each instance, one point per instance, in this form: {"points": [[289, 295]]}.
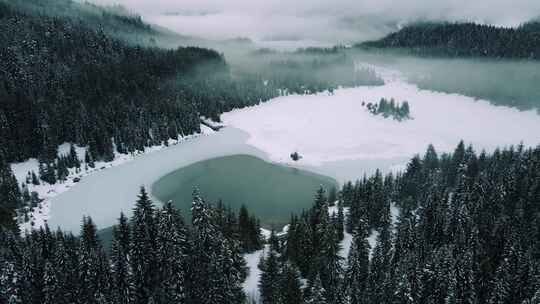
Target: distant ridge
{"points": [[464, 40]]}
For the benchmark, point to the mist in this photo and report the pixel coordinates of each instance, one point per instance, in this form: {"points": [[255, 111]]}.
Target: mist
{"points": [[316, 21]]}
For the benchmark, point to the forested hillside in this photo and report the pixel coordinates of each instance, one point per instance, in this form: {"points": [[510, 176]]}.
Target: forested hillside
{"points": [[116, 21], [468, 232], [464, 40], [61, 81]]}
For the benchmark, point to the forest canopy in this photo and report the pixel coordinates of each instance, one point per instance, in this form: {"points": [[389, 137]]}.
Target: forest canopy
{"points": [[464, 40]]}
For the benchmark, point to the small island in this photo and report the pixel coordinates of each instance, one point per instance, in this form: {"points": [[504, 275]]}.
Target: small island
{"points": [[390, 108], [295, 156]]}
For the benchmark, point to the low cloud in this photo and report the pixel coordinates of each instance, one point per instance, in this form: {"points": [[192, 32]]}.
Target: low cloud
{"points": [[330, 21]]}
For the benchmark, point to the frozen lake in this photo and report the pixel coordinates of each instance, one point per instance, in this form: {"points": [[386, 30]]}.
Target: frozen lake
{"points": [[334, 133], [271, 192]]}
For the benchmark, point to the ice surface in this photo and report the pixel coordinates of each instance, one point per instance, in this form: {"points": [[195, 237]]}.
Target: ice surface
{"points": [[325, 127]]}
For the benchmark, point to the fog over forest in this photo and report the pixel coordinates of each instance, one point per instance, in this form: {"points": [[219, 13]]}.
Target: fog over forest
{"points": [[319, 21]]}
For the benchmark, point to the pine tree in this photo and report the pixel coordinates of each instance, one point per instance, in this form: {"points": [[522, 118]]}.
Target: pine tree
{"points": [[51, 288], [380, 262], [89, 159], [534, 300], [290, 288], [340, 222], [273, 241], [245, 230], [65, 269], [315, 293], [90, 274], [320, 207], [143, 250], [62, 169], [515, 277], [120, 268], [11, 284], [215, 273], [461, 288], [73, 157], [35, 179], [172, 249], [357, 272], [269, 282], [10, 197], [304, 248], [331, 269]]}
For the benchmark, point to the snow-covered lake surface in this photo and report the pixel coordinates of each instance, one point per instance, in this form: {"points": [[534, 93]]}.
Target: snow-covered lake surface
{"points": [[104, 194], [331, 130], [334, 133]]}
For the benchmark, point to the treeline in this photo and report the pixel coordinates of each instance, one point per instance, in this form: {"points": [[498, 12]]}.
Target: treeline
{"points": [[300, 73], [468, 231], [389, 109], [11, 198], [114, 20], [155, 258], [464, 40]]}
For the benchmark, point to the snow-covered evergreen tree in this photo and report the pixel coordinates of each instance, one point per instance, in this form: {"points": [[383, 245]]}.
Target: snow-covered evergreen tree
{"points": [[143, 256], [120, 267], [315, 293], [269, 281], [290, 288], [172, 249], [357, 271]]}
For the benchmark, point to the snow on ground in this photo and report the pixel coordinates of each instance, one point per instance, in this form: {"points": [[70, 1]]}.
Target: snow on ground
{"points": [[206, 130], [329, 127], [41, 214], [251, 284], [266, 232]]}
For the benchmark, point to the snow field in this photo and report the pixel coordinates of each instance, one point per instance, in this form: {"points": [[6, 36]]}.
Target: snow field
{"points": [[329, 127]]}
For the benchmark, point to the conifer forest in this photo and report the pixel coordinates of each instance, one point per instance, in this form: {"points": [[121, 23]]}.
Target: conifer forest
{"points": [[256, 152]]}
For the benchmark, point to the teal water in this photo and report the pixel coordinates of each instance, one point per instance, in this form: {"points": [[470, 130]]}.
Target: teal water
{"points": [[272, 192]]}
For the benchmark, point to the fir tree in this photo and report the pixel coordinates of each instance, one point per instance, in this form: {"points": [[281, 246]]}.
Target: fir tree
{"points": [[143, 250], [315, 293], [340, 222], [51, 288], [35, 179], [357, 272], [269, 282], [90, 272], [172, 249], [331, 269], [89, 159], [10, 197], [120, 268], [290, 285], [215, 276]]}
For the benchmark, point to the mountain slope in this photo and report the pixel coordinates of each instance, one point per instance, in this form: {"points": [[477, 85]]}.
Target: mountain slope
{"points": [[115, 21], [464, 40], [61, 80]]}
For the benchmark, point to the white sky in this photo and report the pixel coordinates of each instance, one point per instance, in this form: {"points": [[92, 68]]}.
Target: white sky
{"points": [[329, 20]]}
